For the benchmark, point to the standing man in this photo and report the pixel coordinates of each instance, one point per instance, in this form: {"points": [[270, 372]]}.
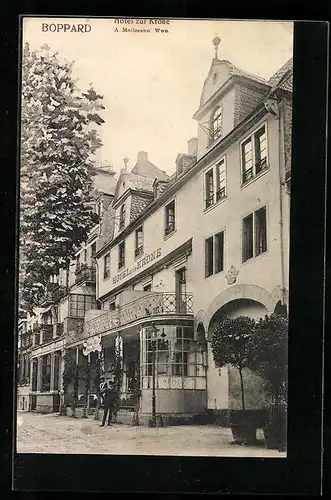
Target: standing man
{"points": [[109, 399]]}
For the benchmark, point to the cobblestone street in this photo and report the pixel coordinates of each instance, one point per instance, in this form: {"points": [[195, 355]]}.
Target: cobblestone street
{"points": [[38, 433]]}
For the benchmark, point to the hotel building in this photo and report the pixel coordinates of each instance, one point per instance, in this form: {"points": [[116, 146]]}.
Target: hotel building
{"points": [[178, 253]]}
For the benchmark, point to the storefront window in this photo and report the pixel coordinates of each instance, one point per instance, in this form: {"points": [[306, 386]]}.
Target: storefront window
{"points": [[46, 373], [56, 370], [176, 354], [34, 374]]}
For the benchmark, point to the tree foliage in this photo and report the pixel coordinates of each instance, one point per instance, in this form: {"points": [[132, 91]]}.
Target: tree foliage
{"points": [[231, 345], [58, 141], [260, 346], [268, 357]]}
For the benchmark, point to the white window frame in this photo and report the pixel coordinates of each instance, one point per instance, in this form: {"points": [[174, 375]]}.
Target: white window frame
{"points": [[212, 136], [213, 168], [166, 235], [106, 274], [213, 237], [253, 213], [251, 137], [119, 262], [138, 253]]}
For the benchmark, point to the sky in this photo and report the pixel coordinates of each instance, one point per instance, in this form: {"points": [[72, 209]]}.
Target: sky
{"points": [[152, 82]]}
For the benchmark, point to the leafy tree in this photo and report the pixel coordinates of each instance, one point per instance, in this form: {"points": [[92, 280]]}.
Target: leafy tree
{"points": [[231, 345], [269, 355], [58, 140]]}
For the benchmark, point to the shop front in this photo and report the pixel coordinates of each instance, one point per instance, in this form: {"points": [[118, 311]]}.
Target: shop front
{"points": [[147, 347]]}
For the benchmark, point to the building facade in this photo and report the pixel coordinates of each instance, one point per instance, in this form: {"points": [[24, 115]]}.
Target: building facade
{"points": [[61, 313], [173, 255]]}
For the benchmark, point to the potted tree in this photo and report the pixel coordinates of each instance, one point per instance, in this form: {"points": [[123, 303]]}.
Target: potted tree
{"points": [[231, 345], [269, 360]]}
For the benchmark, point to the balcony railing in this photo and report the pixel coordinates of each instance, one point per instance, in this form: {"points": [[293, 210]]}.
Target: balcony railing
{"points": [[153, 304], [85, 274]]}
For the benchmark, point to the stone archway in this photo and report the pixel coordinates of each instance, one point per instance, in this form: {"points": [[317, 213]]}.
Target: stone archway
{"points": [[239, 292], [202, 320], [242, 300]]}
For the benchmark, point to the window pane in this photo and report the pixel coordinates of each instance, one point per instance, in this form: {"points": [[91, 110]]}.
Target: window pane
{"points": [[209, 181], [170, 217], [216, 124], [260, 231], [260, 150], [220, 180], [209, 258], [219, 252], [247, 238], [247, 160]]}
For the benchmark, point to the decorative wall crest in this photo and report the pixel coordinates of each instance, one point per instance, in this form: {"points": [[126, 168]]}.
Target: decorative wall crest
{"points": [[231, 275]]}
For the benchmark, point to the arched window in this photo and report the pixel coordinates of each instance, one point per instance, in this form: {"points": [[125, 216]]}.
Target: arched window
{"points": [[216, 124]]}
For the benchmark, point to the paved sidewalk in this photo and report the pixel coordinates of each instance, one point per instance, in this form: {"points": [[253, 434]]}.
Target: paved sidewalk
{"points": [[38, 433]]}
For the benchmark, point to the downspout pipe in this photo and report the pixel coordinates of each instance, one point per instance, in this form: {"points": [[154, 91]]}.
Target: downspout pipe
{"points": [[281, 183], [277, 109]]}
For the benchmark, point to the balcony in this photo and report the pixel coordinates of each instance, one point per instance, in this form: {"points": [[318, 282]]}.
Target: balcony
{"points": [[150, 305], [85, 274], [47, 333], [58, 330]]}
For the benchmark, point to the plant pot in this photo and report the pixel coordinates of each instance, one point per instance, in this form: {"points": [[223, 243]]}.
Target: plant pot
{"points": [[244, 424], [275, 437], [244, 434]]}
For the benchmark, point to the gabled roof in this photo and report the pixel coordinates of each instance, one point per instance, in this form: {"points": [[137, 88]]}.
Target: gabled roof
{"points": [[282, 74], [128, 180], [145, 168], [234, 70]]}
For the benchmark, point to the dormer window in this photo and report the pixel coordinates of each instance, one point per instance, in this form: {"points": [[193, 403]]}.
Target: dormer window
{"points": [[214, 78], [122, 217], [216, 124]]}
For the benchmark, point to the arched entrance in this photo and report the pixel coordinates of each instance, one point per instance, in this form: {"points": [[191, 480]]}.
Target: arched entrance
{"points": [[223, 385], [235, 308]]}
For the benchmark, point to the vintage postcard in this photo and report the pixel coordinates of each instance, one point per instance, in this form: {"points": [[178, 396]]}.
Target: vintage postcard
{"points": [[155, 188]]}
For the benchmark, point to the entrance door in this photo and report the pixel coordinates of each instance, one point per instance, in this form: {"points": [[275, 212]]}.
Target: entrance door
{"points": [[180, 289]]}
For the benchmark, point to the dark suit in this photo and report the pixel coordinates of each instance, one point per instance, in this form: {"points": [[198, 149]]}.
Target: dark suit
{"points": [[109, 399]]}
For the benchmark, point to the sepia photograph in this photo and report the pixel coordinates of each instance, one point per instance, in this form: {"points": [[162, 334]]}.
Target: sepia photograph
{"points": [[154, 237]]}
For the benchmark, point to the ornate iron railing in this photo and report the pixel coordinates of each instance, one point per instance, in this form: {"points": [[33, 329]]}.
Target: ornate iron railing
{"points": [[153, 304]]}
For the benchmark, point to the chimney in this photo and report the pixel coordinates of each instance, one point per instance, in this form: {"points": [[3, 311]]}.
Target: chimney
{"points": [[142, 156], [192, 146]]}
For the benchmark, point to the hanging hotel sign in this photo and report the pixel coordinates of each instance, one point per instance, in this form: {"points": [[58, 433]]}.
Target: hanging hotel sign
{"points": [[147, 259], [92, 344]]}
